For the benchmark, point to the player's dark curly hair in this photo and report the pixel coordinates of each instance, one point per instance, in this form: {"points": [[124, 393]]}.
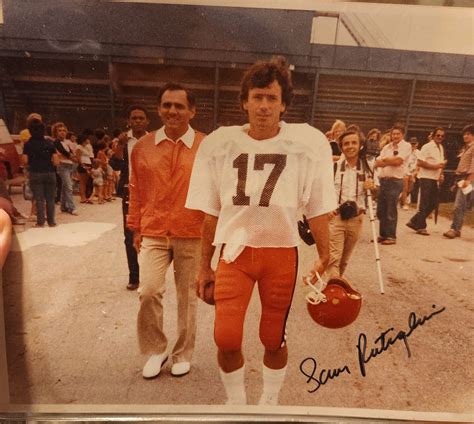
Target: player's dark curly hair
{"points": [[262, 74]]}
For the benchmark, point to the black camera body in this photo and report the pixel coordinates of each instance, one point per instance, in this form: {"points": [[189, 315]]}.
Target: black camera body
{"points": [[348, 210]]}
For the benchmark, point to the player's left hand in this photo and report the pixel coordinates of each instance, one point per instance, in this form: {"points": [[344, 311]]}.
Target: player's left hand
{"points": [[319, 267], [203, 277]]}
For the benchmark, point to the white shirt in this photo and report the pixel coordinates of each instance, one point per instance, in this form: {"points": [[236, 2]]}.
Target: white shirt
{"points": [[258, 189], [87, 153], [69, 147], [130, 145], [403, 150], [352, 183], [411, 162], [187, 138], [431, 153]]}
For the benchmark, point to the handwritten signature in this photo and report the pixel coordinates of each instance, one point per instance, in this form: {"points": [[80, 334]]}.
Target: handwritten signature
{"points": [[386, 339]]}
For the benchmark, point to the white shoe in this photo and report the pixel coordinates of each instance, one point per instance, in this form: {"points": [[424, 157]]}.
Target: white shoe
{"points": [[237, 401], [180, 368], [267, 399], [153, 366]]}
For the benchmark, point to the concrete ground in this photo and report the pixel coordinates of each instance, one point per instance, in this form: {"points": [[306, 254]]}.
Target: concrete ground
{"points": [[70, 325]]}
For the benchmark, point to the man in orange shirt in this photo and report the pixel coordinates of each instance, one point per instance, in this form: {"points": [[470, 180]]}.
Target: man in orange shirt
{"points": [[164, 231]]}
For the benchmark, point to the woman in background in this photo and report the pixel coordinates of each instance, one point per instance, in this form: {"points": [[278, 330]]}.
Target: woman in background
{"points": [[336, 130], [84, 155]]}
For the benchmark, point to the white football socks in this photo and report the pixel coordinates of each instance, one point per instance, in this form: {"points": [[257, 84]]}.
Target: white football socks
{"points": [[272, 381], [234, 386]]}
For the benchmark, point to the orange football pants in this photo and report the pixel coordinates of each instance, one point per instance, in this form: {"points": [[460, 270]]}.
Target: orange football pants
{"points": [[275, 271]]}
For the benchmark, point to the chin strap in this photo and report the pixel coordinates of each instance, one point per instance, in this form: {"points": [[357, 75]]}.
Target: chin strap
{"points": [[315, 296]]}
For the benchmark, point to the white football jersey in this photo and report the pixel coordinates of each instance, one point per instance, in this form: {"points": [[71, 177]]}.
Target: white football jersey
{"points": [[259, 189]]}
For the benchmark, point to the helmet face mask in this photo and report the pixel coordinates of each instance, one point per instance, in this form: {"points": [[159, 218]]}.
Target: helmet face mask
{"points": [[336, 306]]}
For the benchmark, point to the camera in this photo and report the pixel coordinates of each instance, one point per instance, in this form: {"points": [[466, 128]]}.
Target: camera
{"points": [[348, 210]]}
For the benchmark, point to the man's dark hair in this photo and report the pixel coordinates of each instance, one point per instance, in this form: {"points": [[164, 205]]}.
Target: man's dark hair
{"points": [[131, 108], [172, 86], [262, 74], [117, 132], [398, 127], [468, 129], [353, 129], [438, 129], [36, 128]]}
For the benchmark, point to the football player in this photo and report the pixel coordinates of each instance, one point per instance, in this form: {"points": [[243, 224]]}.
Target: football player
{"points": [[253, 182]]}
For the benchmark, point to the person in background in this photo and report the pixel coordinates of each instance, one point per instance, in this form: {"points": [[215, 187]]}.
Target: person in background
{"points": [[84, 155], [25, 135], [108, 171], [352, 178], [116, 157], [336, 130], [72, 137], [372, 146], [138, 121], [65, 168], [98, 180], [392, 167], [431, 162], [464, 178], [409, 178], [39, 155]]}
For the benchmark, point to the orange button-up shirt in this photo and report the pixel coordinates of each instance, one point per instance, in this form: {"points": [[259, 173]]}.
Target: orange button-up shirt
{"points": [[159, 182]]}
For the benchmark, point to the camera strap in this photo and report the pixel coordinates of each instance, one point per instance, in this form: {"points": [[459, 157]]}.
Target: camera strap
{"points": [[342, 171]]}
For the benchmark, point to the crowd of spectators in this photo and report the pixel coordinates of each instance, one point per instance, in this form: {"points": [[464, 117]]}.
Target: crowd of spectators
{"points": [[58, 164]]}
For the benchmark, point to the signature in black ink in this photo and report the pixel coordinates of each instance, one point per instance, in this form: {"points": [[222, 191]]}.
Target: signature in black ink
{"points": [[385, 342], [324, 375], [309, 366]]}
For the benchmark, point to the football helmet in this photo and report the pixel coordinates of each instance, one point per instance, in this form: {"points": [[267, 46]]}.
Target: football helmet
{"points": [[334, 304]]}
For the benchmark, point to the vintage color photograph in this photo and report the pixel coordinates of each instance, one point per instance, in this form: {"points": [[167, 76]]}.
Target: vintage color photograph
{"points": [[254, 208]]}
